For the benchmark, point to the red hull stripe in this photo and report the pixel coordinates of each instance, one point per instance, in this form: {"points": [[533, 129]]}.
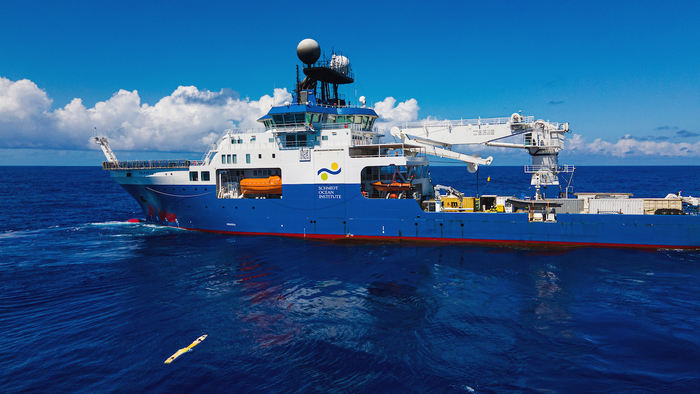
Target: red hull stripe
{"points": [[490, 242]]}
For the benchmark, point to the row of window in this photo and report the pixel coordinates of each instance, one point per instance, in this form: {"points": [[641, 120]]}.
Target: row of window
{"points": [[233, 159], [291, 140], [194, 176], [303, 118], [252, 139], [227, 174]]}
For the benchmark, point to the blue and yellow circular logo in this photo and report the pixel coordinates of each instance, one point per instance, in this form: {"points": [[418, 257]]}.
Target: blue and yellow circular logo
{"points": [[335, 170]]}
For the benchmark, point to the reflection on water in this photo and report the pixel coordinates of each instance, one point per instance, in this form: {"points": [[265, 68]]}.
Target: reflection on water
{"points": [[546, 305], [324, 317]]}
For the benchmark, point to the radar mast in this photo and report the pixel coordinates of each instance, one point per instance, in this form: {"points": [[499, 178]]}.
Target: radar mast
{"points": [[330, 72]]}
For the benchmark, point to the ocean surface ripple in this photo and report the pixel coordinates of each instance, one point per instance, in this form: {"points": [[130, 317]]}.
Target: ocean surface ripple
{"points": [[89, 303]]}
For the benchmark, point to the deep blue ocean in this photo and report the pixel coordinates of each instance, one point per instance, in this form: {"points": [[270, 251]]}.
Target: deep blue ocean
{"points": [[90, 304]]}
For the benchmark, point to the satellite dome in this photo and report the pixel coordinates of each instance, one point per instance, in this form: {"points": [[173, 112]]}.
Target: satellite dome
{"points": [[308, 51], [339, 61]]}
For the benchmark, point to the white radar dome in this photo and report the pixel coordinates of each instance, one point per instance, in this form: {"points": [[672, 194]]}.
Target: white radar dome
{"points": [[339, 61], [308, 51]]}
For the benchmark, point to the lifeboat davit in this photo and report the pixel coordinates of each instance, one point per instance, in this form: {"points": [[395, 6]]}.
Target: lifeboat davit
{"points": [[392, 187], [270, 185]]}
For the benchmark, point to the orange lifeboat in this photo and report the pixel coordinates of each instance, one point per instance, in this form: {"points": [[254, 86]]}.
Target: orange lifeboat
{"points": [[392, 187], [270, 185]]}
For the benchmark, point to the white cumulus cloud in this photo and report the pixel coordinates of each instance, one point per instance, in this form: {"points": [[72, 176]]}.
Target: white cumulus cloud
{"points": [[391, 114], [626, 147], [189, 119], [186, 120]]}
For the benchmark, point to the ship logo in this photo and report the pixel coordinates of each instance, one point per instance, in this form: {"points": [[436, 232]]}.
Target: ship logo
{"points": [[335, 170]]}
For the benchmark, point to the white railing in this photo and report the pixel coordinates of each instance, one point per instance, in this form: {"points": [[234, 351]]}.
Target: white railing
{"points": [[391, 151], [292, 127], [466, 122], [531, 169], [554, 141], [244, 131], [147, 164], [556, 127], [249, 146]]}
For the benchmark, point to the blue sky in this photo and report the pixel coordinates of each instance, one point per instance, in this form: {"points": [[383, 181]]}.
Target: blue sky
{"points": [[625, 75]]}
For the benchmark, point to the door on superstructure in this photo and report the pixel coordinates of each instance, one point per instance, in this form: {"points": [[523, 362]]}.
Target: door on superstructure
{"points": [[329, 186]]}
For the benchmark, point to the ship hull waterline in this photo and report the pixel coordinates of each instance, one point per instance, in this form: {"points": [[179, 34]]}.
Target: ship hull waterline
{"points": [[298, 215]]}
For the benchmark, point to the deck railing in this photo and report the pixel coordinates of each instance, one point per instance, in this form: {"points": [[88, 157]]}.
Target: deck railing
{"points": [[466, 122], [147, 164], [531, 169]]}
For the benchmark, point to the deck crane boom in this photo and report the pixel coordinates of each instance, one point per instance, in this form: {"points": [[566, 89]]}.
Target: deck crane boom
{"points": [[102, 142], [542, 139]]}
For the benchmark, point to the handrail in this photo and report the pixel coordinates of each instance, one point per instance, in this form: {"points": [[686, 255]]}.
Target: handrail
{"points": [[147, 164], [466, 122], [531, 169], [244, 131]]}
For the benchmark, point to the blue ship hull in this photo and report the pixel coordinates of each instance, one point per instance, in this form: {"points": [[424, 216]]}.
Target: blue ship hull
{"points": [[320, 168], [301, 213]]}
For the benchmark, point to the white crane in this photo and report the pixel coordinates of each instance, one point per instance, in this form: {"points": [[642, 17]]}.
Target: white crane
{"points": [[102, 142], [542, 139]]}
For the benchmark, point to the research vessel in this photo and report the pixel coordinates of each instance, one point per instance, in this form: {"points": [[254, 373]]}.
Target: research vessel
{"points": [[318, 167]]}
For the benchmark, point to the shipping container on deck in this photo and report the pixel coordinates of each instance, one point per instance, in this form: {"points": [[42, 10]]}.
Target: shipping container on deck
{"points": [[624, 206]]}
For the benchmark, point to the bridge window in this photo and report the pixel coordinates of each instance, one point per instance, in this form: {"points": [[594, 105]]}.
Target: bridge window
{"points": [[247, 158], [223, 159], [295, 140], [234, 159]]}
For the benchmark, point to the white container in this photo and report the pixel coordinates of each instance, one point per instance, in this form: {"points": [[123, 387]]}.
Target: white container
{"points": [[624, 206], [586, 197]]}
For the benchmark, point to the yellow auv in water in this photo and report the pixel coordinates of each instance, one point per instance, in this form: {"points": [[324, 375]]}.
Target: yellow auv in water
{"points": [[185, 349]]}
